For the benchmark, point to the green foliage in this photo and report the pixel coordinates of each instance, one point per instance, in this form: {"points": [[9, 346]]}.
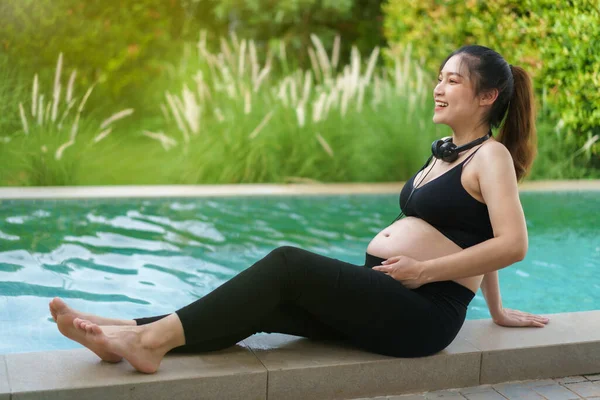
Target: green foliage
{"points": [[358, 22], [32, 164], [557, 155], [569, 46], [30, 160], [383, 135], [285, 152], [557, 42], [120, 44], [447, 25], [311, 124], [47, 144], [124, 45], [363, 109], [13, 86]]}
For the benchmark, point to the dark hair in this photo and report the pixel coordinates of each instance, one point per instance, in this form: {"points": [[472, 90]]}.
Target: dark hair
{"points": [[514, 109]]}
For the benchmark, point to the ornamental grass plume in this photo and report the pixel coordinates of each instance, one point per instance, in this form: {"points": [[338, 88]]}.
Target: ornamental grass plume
{"points": [[235, 89], [59, 117]]}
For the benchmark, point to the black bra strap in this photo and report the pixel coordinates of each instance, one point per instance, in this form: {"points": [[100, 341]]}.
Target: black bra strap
{"points": [[471, 155]]}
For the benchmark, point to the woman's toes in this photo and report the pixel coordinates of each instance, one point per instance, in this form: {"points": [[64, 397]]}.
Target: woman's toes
{"points": [[96, 329], [81, 323]]}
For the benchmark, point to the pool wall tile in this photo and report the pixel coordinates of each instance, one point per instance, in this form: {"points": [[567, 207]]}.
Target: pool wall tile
{"points": [[4, 386], [302, 369], [568, 345], [234, 373]]}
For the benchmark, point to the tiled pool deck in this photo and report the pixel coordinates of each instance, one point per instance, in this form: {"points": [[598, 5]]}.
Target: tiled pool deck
{"points": [[286, 367], [572, 387]]}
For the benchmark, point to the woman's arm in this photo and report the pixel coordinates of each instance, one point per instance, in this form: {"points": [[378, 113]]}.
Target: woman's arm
{"points": [[490, 287]]}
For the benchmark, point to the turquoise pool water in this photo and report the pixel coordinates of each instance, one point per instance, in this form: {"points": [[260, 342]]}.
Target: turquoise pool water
{"points": [[130, 258]]}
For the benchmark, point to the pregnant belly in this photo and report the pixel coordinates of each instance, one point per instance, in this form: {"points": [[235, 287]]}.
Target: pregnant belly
{"points": [[415, 238]]}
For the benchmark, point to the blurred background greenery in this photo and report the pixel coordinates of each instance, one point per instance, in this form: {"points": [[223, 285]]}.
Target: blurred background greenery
{"points": [[226, 91]]}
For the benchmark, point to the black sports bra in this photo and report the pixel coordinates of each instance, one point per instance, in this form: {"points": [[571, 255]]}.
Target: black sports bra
{"points": [[445, 204]]}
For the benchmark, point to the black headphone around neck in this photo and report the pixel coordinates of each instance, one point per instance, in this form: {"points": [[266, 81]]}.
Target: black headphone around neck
{"points": [[447, 151]]}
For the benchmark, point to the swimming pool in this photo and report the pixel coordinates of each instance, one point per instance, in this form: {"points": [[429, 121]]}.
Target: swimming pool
{"points": [[131, 258]]}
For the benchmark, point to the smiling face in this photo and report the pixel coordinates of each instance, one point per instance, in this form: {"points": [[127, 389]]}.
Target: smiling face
{"points": [[456, 104]]}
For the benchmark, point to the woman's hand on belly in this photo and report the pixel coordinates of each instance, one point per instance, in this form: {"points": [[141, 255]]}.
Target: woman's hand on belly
{"points": [[416, 239], [404, 269]]}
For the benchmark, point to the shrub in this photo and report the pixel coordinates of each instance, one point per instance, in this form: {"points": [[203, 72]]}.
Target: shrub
{"points": [[51, 124], [358, 22], [559, 155], [557, 42]]}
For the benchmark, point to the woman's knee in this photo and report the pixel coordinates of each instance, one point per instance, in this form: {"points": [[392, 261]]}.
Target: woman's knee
{"points": [[284, 252], [284, 256]]}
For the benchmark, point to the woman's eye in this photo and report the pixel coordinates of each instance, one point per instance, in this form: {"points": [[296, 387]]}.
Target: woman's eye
{"points": [[453, 81]]}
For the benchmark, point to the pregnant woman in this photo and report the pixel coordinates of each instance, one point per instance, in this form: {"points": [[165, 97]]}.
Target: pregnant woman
{"points": [[462, 222]]}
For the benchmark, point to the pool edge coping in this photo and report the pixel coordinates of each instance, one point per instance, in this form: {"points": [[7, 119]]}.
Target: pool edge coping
{"points": [[281, 366], [173, 191]]}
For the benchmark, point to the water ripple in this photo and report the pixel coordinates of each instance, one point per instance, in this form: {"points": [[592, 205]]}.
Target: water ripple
{"points": [[116, 241], [19, 257], [24, 289], [17, 219], [197, 229], [6, 267], [125, 222], [6, 236]]}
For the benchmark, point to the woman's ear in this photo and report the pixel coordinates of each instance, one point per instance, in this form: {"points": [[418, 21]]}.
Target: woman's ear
{"points": [[488, 97]]}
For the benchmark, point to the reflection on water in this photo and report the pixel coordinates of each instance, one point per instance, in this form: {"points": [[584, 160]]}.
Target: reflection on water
{"points": [[131, 258]]}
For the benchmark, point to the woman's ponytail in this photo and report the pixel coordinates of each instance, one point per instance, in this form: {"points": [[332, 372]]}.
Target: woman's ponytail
{"points": [[518, 133]]}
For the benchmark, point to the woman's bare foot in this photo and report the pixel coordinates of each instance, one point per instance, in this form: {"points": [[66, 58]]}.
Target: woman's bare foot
{"points": [[64, 317], [58, 306], [134, 343]]}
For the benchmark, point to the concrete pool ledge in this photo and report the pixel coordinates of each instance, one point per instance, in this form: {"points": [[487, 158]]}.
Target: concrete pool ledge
{"points": [[234, 373], [4, 386], [287, 367], [88, 192], [568, 345]]}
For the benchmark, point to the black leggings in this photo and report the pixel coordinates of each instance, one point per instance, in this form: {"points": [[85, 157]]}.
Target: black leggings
{"points": [[300, 293]]}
